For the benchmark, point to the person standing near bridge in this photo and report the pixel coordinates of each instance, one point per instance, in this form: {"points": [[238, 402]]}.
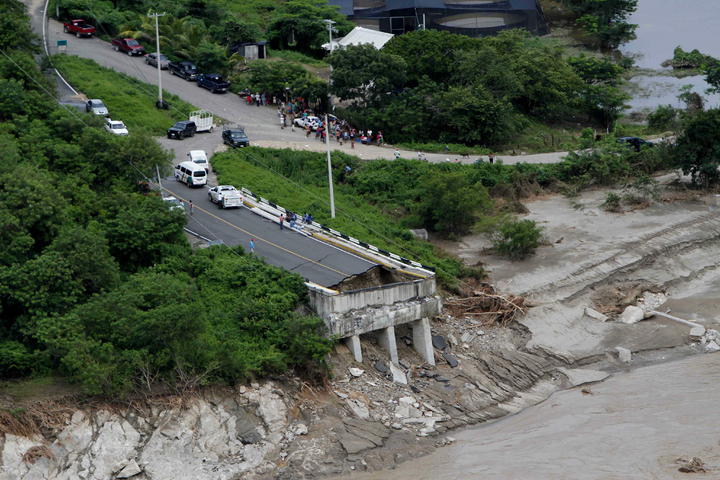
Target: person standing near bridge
{"points": [[281, 219], [251, 246]]}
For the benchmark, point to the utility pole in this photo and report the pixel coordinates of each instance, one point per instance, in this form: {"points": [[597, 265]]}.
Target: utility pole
{"points": [[329, 24], [157, 52]]}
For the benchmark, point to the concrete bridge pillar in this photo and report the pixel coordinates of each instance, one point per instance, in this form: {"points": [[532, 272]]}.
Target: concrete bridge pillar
{"points": [[353, 343], [422, 340], [387, 341]]}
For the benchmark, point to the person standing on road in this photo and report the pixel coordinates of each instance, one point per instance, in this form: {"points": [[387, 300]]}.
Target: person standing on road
{"points": [[282, 121], [281, 219], [190, 206], [251, 246], [491, 158]]}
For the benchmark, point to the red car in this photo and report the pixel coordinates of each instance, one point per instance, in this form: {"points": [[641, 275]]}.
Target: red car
{"points": [[79, 28], [128, 45]]}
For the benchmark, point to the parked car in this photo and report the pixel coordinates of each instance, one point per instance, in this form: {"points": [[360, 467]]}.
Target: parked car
{"points": [[213, 82], [225, 196], [152, 59], [636, 142], [185, 70], [174, 204], [116, 127], [311, 121], [97, 107], [128, 45], [79, 27], [199, 157], [181, 130], [235, 137]]}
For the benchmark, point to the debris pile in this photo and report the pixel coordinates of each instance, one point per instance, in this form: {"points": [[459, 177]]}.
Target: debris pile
{"points": [[486, 304]]}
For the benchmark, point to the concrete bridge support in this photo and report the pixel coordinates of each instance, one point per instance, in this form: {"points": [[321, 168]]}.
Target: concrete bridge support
{"points": [[422, 340], [386, 338], [353, 343]]}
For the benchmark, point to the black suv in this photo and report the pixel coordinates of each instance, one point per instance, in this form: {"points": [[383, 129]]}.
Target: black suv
{"points": [[213, 82], [181, 130], [235, 137], [636, 142], [185, 70]]}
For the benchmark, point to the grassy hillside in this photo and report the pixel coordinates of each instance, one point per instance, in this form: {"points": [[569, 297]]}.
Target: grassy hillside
{"points": [[127, 99]]}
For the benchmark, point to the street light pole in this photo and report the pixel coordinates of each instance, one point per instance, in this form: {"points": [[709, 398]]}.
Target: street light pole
{"points": [[157, 58], [329, 24]]}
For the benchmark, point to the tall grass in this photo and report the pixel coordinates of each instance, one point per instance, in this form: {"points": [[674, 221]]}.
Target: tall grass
{"points": [[127, 99]]}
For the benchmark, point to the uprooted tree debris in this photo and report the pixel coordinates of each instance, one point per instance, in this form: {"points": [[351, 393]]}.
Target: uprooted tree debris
{"points": [[487, 305]]}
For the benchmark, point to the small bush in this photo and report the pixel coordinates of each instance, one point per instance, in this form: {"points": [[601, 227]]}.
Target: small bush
{"points": [[517, 239], [663, 118], [612, 203]]}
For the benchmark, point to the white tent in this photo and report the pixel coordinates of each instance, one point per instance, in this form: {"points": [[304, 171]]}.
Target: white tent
{"points": [[360, 36]]}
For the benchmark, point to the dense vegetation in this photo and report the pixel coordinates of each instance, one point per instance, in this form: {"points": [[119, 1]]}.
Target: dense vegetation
{"points": [[98, 282], [437, 86], [377, 201], [127, 99], [602, 23]]}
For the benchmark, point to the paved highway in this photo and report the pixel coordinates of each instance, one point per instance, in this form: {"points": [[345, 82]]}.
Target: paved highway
{"points": [[313, 260], [261, 123]]}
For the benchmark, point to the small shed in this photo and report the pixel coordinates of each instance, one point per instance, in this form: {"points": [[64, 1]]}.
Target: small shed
{"points": [[250, 50]]}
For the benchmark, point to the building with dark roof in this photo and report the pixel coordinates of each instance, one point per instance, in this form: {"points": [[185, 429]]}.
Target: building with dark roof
{"points": [[469, 17]]}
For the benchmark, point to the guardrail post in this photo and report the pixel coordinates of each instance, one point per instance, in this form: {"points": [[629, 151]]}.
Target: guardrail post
{"points": [[353, 343], [387, 341], [422, 340]]}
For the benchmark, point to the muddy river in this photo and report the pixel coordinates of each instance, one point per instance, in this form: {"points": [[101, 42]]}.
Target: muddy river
{"points": [[662, 26]]}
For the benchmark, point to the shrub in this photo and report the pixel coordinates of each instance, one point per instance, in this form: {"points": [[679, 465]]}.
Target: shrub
{"points": [[517, 239], [663, 118], [612, 202]]}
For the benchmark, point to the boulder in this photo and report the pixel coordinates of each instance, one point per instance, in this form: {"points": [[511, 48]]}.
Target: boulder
{"points": [[632, 314], [130, 470], [356, 372], [624, 355], [398, 375], [711, 347], [420, 233], [592, 313], [697, 332], [439, 342], [358, 408]]}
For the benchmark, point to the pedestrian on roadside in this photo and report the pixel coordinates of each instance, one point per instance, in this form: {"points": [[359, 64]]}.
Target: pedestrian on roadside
{"points": [[190, 206], [352, 138], [282, 121], [491, 158], [251, 246], [281, 220]]}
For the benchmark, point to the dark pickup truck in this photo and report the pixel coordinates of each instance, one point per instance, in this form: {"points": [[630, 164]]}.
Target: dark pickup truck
{"points": [[79, 28], [186, 70], [128, 45], [213, 82]]}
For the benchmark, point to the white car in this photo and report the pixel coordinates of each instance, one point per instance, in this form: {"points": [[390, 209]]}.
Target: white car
{"points": [[116, 127], [97, 107], [174, 204], [199, 157], [225, 196], [312, 122]]}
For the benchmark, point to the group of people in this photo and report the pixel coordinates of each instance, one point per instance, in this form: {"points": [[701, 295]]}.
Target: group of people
{"points": [[292, 220]]}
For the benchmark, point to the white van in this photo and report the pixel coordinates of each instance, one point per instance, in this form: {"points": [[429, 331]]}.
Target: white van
{"points": [[191, 173], [199, 157]]}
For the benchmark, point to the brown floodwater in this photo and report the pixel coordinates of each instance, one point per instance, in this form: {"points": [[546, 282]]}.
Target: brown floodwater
{"points": [[633, 426]]}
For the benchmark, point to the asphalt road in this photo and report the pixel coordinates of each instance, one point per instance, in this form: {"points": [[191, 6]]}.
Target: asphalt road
{"points": [[261, 123], [313, 260]]}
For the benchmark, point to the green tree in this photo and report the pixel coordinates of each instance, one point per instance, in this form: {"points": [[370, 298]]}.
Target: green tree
{"points": [[605, 20], [698, 148], [448, 202], [365, 74], [298, 24]]}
